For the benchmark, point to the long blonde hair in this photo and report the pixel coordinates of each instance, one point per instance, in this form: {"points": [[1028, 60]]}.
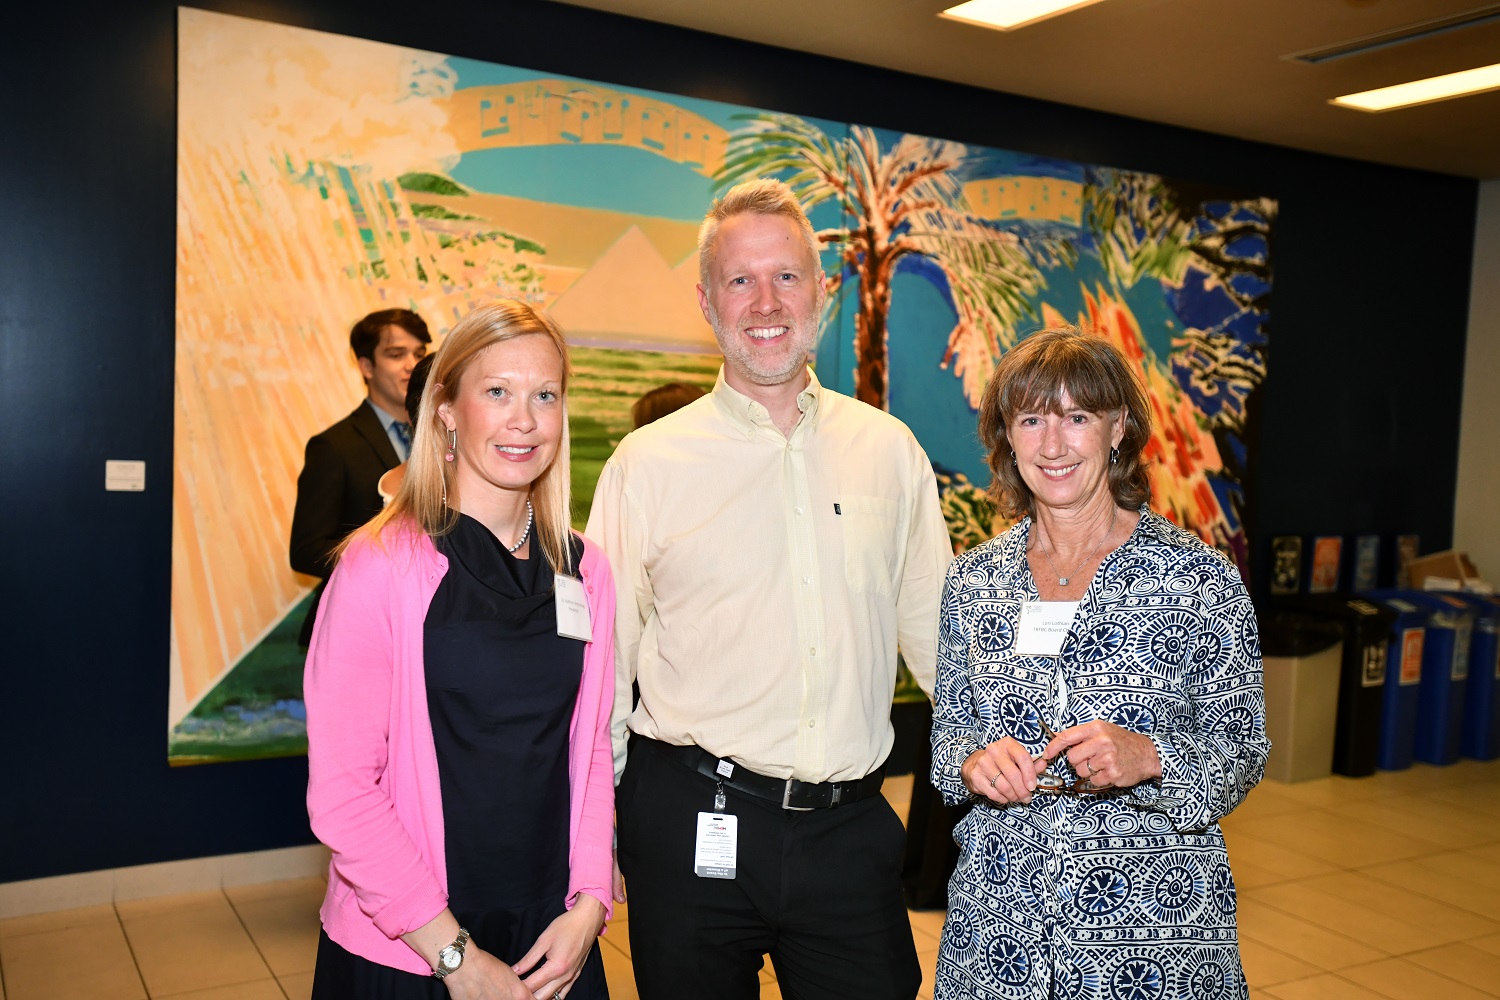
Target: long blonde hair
{"points": [[421, 498]]}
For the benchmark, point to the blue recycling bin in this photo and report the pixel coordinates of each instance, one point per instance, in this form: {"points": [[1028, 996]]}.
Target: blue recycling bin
{"points": [[1481, 725], [1445, 672], [1403, 679]]}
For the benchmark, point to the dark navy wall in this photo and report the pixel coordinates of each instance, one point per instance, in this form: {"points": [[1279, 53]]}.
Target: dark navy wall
{"points": [[1358, 420]]}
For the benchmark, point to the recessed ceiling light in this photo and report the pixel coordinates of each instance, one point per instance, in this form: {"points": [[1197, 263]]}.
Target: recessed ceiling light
{"points": [[1435, 88], [1008, 14]]}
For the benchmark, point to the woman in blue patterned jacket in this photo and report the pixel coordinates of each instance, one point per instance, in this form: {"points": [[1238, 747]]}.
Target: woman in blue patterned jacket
{"points": [[1098, 700]]}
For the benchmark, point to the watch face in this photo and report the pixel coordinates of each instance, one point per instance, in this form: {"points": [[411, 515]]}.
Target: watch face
{"points": [[450, 958]]}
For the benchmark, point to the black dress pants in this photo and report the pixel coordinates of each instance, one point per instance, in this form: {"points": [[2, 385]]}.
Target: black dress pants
{"points": [[818, 891]]}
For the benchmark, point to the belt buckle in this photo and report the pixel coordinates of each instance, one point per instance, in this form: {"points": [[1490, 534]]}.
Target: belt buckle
{"points": [[786, 798]]}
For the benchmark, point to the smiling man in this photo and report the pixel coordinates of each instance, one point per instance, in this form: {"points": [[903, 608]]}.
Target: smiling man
{"points": [[338, 488], [773, 542]]}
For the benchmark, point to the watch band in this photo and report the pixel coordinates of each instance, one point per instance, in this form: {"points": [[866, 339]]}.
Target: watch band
{"points": [[451, 957]]}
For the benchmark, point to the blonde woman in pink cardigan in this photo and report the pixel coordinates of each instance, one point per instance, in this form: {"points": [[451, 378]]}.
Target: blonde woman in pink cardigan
{"points": [[459, 686]]}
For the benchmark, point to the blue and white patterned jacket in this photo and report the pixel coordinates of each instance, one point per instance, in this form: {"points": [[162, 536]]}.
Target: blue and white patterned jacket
{"points": [[1124, 896]]}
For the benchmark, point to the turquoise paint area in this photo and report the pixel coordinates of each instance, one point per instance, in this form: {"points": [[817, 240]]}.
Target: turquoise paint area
{"points": [[927, 397], [473, 73], [617, 178], [1064, 292], [930, 399]]}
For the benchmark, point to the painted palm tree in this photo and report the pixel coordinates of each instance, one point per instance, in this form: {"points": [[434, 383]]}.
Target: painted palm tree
{"points": [[897, 203]]}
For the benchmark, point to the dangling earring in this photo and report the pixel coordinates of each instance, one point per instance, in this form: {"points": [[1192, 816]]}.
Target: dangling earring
{"points": [[1013, 458], [452, 445], [1114, 456]]}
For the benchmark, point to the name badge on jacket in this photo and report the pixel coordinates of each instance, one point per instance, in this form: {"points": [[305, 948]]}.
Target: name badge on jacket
{"points": [[572, 608], [1043, 627]]}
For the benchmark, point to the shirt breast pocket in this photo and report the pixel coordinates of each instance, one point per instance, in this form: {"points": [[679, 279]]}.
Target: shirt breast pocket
{"points": [[872, 547]]}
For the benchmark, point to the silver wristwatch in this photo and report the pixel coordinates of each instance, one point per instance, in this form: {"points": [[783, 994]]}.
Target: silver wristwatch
{"points": [[452, 956]]}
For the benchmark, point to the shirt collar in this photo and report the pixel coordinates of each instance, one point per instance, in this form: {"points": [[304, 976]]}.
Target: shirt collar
{"points": [[748, 415], [385, 418], [1152, 526]]}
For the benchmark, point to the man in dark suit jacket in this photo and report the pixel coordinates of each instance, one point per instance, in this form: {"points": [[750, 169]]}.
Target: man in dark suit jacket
{"points": [[336, 491]]}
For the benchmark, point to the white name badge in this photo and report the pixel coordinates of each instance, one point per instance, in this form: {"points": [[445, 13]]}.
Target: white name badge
{"points": [[715, 851], [572, 608], [1043, 627]]}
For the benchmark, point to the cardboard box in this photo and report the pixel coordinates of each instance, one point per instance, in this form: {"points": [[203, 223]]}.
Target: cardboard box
{"points": [[1450, 570]]}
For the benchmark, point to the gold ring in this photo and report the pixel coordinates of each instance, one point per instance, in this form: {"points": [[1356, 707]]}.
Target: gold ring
{"points": [[1090, 765], [994, 778]]}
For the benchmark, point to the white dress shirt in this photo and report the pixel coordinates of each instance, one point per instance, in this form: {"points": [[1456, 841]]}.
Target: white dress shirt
{"points": [[765, 581]]}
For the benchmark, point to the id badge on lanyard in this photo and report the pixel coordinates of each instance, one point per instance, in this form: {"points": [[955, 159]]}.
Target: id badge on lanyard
{"points": [[716, 846]]}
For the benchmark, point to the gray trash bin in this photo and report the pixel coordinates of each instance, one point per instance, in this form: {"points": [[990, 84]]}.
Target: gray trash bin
{"points": [[1302, 656]]}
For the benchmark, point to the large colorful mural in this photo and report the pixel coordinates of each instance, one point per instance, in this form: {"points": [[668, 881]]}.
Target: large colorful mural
{"points": [[322, 177]]}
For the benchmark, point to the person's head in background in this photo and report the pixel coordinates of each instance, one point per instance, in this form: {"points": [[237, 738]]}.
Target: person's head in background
{"points": [[387, 345], [414, 386], [662, 400]]}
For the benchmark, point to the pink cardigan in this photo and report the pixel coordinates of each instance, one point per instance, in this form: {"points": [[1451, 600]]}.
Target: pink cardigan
{"points": [[373, 792]]}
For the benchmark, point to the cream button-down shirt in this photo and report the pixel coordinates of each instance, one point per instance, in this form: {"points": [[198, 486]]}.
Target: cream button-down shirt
{"points": [[765, 581]]}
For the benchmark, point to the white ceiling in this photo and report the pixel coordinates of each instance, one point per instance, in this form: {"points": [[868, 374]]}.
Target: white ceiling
{"points": [[1215, 65]]}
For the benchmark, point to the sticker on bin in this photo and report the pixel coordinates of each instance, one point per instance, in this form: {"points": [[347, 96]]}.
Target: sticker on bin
{"points": [[1405, 607], [1363, 607], [1411, 655], [1374, 666], [1460, 655]]}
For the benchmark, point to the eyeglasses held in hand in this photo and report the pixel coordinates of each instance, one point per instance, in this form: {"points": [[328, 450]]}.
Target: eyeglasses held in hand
{"points": [[1048, 783]]}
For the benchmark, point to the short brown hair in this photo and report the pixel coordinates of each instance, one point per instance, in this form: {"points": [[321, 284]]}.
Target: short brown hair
{"points": [[364, 337], [763, 196], [664, 399], [1033, 377]]}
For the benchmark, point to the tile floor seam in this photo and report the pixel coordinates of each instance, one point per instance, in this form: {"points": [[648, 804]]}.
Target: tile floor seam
{"points": [[1294, 979], [1323, 927], [1367, 873], [1362, 986], [253, 943], [1435, 972], [134, 961]]}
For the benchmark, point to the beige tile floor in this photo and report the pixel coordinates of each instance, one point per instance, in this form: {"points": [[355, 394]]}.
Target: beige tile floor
{"points": [[1382, 887]]}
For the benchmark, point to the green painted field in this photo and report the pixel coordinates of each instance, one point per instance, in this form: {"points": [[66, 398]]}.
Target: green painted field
{"points": [[605, 383]]}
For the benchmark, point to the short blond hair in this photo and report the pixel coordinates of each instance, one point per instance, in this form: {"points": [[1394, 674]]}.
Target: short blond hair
{"points": [[763, 196]]}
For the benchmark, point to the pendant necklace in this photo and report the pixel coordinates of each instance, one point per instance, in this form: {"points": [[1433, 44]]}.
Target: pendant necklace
{"points": [[1062, 581], [525, 534]]}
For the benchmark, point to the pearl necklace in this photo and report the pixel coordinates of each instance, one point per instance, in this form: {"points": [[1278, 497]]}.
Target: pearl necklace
{"points": [[1062, 581], [525, 534]]}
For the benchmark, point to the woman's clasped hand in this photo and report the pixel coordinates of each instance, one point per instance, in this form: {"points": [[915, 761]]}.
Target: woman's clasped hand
{"points": [[1103, 755], [544, 972]]}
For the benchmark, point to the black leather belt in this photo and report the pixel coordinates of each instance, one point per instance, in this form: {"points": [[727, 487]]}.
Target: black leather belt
{"points": [[789, 793]]}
